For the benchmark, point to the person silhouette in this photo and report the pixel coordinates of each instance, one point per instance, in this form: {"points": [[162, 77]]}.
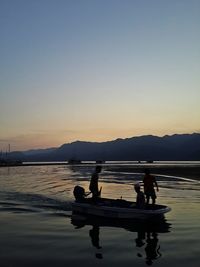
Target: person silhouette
{"points": [[149, 182], [140, 198], [93, 187]]}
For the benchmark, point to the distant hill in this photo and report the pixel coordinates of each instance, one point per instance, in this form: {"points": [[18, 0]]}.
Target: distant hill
{"points": [[148, 147]]}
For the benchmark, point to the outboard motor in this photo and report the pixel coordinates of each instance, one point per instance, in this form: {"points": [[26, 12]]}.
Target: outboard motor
{"points": [[79, 193]]}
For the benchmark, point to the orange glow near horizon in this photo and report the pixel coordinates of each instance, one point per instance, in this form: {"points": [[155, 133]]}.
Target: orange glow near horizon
{"points": [[47, 140]]}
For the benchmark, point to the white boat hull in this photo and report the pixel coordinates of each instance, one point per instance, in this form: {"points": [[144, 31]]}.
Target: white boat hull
{"points": [[117, 212]]}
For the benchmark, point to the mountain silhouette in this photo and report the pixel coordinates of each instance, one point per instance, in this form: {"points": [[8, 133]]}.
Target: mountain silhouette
{"points": [[148, 147]]}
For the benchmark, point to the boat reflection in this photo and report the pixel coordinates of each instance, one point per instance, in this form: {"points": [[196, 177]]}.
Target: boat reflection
{"points": [[146, 240]]}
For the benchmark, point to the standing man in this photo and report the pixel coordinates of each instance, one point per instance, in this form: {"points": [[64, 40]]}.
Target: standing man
{"points": [[94, 188], [149, 182]]}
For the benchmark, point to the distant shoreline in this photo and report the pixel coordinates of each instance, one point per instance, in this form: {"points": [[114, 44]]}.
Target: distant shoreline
{"points": [[184, 171]]}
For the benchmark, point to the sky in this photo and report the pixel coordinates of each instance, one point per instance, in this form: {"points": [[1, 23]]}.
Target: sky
{"points": [[97, 70]]}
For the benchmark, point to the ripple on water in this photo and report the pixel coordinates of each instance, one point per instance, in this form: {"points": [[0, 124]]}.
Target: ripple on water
{"points": [[36, 225]]}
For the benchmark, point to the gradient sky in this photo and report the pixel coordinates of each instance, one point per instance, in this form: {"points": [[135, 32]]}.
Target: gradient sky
{"points": [[97, 70]]}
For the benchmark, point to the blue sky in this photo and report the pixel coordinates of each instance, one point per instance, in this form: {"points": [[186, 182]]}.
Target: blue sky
{"points": [[97, 70]]}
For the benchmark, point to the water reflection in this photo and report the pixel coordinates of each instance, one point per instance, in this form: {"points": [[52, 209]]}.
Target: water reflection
{"points": [[147, 239], [94, 235], [151, 245]]}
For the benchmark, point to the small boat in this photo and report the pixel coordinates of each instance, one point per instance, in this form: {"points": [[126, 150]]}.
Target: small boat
{"points": [[114, 208], [121, 209]]}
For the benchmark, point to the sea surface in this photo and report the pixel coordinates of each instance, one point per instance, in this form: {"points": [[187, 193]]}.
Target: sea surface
{"points": [[37, 227]]}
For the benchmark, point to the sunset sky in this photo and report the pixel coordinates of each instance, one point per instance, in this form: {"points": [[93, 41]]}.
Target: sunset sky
{"points": [[97, 70]]}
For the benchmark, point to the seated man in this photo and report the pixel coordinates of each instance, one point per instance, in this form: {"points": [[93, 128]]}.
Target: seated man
{"points": [[79, 193], [140, 199]]}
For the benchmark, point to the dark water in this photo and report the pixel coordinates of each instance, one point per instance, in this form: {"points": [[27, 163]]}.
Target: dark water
{"points": [[37, 227]]}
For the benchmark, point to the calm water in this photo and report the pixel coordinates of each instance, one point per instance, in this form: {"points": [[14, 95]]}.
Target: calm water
{"points": [[37, 227]]}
